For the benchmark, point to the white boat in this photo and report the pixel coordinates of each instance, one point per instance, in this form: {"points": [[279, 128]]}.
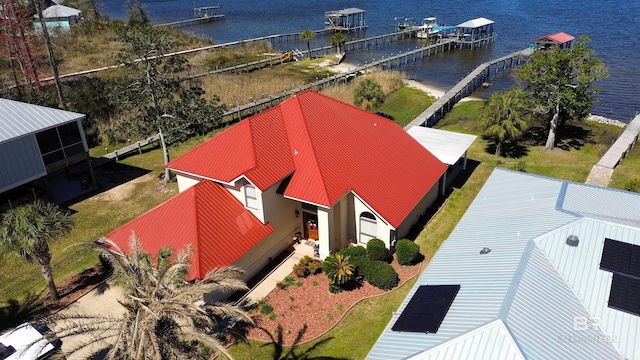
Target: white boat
{"points": [[427, 30]]}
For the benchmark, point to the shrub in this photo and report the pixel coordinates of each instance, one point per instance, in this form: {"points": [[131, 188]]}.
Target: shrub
{"points": [[376, 250], [380, 274], [306, 260], [266, 309], [633, 185], [407, 251], [354, 251], [338, 268], [315, 267], [301, 270]]}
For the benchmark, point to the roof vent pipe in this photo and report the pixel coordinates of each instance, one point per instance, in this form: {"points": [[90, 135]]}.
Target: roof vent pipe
{"points": [[572, 240]]}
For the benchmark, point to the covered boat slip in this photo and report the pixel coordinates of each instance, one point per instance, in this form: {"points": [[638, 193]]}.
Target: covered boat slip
{"points": [[351, 19]]}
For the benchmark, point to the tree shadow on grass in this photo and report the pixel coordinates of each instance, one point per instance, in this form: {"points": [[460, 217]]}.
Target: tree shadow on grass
{"points": [[573, 137], [16, 312], [511, 149], [280, 351]]}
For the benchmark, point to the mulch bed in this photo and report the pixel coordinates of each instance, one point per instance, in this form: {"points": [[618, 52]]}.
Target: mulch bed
{"points": [[75, 287], [308, 310]]}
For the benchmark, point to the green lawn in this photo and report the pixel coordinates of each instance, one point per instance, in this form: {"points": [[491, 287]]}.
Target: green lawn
{"points": [[627, 170], [405, 104]]}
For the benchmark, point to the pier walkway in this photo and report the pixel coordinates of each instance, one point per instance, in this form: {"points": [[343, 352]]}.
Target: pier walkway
{"points": [[466, 86], [601, 172]]}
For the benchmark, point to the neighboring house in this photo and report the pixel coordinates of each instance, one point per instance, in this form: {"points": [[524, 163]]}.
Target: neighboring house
{"points": [[537, 268], [326, 169], [36, 141], [555, 41], [58, 17]]}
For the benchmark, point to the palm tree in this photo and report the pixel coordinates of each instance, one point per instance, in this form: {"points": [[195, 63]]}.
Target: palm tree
{"points": [[368, 93], [164, 317], [337, 40], [504, 116], [28, 229], [338, 268], [307, 36]]}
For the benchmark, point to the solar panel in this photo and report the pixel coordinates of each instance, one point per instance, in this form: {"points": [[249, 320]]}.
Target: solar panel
{"points": [[625, 294], [426, 309], [621, 258]]}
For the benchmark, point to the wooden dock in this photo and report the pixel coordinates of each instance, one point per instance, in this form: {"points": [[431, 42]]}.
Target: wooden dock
{"points": [[467, 86], [601, 172], [198, 20]]}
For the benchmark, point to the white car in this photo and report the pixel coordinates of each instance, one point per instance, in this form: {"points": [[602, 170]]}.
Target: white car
{"points": [[27, 342]]}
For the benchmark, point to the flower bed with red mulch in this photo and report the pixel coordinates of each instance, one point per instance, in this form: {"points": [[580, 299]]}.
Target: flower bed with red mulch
{"points": [[309, 303]]}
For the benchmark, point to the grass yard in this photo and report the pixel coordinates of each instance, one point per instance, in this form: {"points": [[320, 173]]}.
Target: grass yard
{"points": [[627, 170], [405, 104]]}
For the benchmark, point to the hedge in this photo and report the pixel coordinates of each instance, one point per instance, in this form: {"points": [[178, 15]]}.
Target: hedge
{"points": [[379, 274], [407, 251], [376, 250]]}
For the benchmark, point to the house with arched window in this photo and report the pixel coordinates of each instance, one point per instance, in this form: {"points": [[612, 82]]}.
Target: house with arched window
{"points": [[311, 167]]}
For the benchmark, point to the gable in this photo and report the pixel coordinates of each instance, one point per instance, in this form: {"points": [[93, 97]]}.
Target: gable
{"points": [[206, 216]]}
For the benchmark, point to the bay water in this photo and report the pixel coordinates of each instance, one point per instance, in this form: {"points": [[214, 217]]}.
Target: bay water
{"points": [[613, 27]]}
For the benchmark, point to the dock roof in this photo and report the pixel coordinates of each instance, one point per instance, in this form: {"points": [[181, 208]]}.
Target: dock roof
{"points": [[476, 23], [520, 299], [558, 37], [344, 12]]}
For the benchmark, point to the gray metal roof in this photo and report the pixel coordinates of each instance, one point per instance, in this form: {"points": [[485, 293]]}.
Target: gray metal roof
{"points": [[59, 11], [447, 146], [344, 12], [475, 23], [530, 280], [19, 119]]}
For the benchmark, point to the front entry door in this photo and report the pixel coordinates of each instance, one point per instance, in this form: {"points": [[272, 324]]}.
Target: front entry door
{"points": [[310, 225]]}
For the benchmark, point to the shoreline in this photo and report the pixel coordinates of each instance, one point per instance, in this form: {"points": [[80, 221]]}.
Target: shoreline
{"points": [[438, 93]]}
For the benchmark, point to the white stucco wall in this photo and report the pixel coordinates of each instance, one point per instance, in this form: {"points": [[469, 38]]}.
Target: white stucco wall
{"points": [[186, 181], [383, 229], [326, 228], [419, 210], [279, 212]]}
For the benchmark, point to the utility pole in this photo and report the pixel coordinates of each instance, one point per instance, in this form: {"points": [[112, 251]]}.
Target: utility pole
{"points": [[52, 59]]}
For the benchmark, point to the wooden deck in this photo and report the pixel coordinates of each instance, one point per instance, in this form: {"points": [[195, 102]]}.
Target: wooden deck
{"points": [[199, 20], [466, 86], [622, 145]]}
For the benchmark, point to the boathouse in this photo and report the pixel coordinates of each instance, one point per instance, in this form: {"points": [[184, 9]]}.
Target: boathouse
{"points": [[476, 32], [555, 41], [351, 19]]}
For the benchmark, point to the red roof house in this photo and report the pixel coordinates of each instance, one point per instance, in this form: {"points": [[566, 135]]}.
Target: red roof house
{"points": [[558, 40], [206, 216], [350, 173]]}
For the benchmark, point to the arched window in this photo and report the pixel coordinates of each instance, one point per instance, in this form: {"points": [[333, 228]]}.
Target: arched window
{"points": [[251, 196], [368, 227]]}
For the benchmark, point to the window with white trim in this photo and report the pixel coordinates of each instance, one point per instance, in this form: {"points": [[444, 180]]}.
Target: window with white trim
{"points": [[368, 227], [251, 196]]}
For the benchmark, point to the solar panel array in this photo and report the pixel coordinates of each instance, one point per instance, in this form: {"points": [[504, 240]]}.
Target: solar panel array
{"points": [[623, 260], [426, 309]]}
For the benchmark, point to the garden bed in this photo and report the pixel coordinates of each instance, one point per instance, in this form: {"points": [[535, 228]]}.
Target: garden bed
{"points": [[306, 309]]}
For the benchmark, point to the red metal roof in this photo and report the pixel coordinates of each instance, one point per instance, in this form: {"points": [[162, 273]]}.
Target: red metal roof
{"points": [[207, 216], [558, 37], [330, 147]]}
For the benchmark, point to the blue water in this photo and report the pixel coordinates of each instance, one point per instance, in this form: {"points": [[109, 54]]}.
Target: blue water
{"points": [[612, 25]]}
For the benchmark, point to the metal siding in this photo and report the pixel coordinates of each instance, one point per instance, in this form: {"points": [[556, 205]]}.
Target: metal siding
{"points": [[20, 162], [18, 119]]}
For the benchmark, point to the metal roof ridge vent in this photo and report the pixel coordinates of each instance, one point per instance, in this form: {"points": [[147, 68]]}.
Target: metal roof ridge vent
{"points": [[572, 240]]}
